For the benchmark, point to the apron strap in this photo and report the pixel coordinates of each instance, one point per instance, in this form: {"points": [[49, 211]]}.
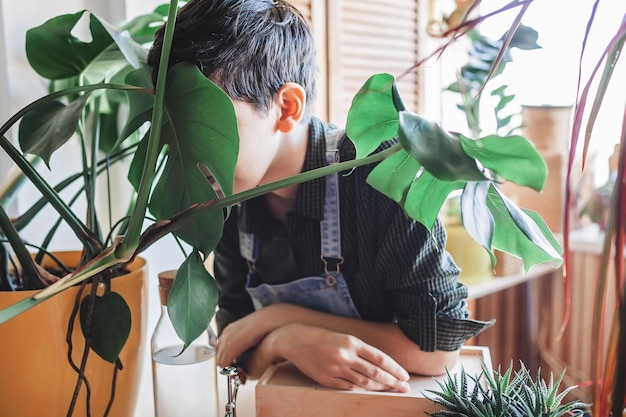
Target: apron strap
{"points": [[330, 226], [249, 248]]}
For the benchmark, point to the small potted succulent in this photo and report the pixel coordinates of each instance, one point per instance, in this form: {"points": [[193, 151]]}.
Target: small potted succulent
{"points": [[494, 393]]}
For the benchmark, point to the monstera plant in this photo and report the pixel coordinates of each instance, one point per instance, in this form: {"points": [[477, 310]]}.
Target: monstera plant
{"points": [[183, 128]]}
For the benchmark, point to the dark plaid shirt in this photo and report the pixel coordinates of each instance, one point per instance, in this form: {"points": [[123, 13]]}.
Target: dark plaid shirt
{"points": [[394, 268]]}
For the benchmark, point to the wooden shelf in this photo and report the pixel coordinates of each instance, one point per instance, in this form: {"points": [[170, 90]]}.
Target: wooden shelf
{"points": [[502, 283]]}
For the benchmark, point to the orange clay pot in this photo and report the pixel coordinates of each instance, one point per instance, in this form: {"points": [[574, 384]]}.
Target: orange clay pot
{"points": [[35, 376]]}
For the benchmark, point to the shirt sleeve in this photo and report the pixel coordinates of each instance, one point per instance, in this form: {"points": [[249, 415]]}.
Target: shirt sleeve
{"points": [[231, 271], [431, 306]]}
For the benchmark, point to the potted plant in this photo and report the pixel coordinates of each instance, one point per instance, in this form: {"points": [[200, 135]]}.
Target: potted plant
{"points": [[112, 74], [509, 393], [50, 340], [479, 75], [608, 362]]}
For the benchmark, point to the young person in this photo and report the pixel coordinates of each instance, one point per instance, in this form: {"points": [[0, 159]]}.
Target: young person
{"points": [[331, 274]]}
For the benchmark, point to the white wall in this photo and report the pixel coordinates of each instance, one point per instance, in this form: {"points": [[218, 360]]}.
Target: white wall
{"points": [[549, 76], [4, 93]]}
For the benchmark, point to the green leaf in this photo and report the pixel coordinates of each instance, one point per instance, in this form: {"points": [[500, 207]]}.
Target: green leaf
{"points": [[47, 127], [514, 158], [502, 122], [525, 38], [394, 175], [55, 53], [110, 324], [140, 104], [133, 52], [373, 117], [477, 219], [401, 178], [142, 28], [201, 131], [504, 99], [521, 233], [426, 196], [192, 299], [135, 170], [437, 150]]}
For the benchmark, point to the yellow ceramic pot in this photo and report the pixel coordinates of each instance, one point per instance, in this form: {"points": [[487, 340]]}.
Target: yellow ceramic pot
{"points": [[35, 376], [469, 255]]}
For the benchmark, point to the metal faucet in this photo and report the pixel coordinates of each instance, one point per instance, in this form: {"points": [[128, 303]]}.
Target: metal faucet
{"points": [[233, 382]]}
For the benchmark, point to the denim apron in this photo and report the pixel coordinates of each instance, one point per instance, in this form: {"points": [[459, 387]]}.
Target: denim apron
{"points": [[328, 292]]}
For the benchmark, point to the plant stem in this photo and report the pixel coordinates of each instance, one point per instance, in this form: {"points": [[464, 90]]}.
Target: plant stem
{"points": [[306, 176], [131, 239], [92, 220], [105, 260], [159, 229], [5, 277], [62, 93], [22, 254], [13, 181], [24, 219], [81, 231], [111, 257]]}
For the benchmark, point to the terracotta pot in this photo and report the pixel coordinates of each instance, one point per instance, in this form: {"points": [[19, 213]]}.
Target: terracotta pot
{"points": [[36, 378], [469, 255]]}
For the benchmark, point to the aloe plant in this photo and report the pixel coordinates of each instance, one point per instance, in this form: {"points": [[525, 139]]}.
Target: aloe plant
{"points": [[503, 394]]}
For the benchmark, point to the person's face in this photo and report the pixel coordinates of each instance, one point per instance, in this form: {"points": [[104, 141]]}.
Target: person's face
{"points": [[258, 144]]}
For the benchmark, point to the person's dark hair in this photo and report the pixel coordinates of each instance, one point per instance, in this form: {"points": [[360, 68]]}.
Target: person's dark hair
{"points": [[250, 48]]}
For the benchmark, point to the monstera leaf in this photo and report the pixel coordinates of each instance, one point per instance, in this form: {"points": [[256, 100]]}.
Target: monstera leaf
{"points": [[55, 53], [433, 163], [199, 135]]}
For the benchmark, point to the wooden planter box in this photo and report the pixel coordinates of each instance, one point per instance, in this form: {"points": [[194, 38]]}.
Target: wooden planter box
{"points": [[283, 391]]}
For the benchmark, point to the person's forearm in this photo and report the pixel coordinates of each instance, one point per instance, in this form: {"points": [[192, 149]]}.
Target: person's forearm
{"points": [[255, 361], [387, 337]]}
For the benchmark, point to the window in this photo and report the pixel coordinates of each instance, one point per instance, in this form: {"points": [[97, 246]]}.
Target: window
{"points": [[357, 39]]}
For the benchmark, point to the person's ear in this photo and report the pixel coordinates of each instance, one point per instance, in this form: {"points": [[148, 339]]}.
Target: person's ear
{"points": [[291, 101]]}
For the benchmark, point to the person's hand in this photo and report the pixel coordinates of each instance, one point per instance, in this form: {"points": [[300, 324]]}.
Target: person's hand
{"points": [[338, 360], [239, 336]]}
